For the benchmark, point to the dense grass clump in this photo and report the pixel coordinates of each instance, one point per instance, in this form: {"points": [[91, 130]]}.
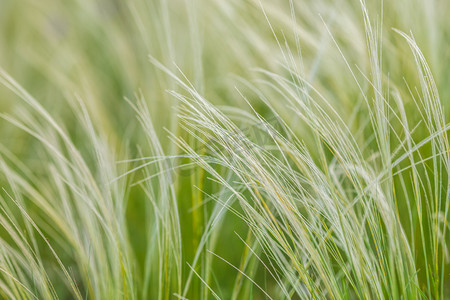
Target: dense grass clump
{"points": [[198, 149]]}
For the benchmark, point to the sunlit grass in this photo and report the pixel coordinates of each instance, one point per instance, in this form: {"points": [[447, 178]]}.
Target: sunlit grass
{"points": [[224, 150]]}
